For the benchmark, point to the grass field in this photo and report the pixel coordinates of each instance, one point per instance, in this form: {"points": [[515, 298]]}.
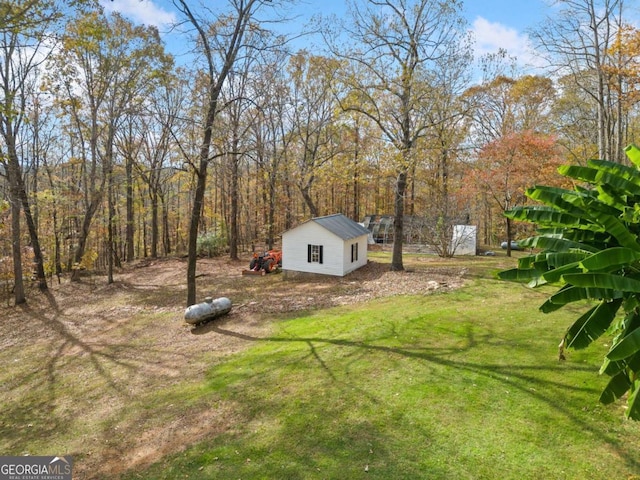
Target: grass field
{"points": [[464, 384]]}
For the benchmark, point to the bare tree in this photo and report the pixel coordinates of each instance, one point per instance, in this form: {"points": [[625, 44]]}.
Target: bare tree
{"points": [[147, 148], [443, 146], [220, 43], [577, 41], [313, 82], [236, 123], [22, 47], [395, 44], [271, 143], [100, 75]]}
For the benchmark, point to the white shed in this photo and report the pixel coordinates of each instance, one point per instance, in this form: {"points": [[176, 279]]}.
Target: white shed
{"points": [[464, 239], [331, 245]]}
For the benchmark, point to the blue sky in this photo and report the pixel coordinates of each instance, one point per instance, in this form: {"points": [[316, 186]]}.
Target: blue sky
{"points": [[495, 23]]}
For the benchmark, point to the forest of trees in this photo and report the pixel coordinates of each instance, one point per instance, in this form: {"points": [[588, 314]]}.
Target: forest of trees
{"points": [[112, 150]]}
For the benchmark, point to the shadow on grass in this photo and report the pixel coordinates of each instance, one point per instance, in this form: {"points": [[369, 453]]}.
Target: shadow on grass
{"points": [[51, 403], [514, 377]]}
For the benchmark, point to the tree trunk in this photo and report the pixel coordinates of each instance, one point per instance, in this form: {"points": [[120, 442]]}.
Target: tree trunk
{"points": [[398, 222], [155, 228], [215, 84], [130, 229], [356, 175], [166, 237], [14, 173], [18, 284], [194, 223], [305, 190], [84, 234], [271, 211], [198, 201], [509, 234], [35, 243], [57, 260], [110, 227], [288, 214], [233, 233]]}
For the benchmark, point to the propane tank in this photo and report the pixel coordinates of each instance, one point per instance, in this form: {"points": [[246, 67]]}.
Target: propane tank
{"points": [[207, 310]]}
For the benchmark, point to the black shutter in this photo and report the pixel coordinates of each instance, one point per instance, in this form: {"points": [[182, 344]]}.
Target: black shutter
{"points": [[309, 253], [320, 247], [352, 252]]}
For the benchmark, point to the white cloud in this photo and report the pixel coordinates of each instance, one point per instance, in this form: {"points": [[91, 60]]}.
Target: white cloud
{"points": [[492, 36], [141, 11]]}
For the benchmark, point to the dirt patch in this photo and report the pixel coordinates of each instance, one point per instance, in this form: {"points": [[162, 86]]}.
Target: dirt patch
{"points": [[123, 341]]}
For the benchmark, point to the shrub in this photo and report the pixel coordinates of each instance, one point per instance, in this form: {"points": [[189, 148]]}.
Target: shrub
{"points": [[211, 245]]}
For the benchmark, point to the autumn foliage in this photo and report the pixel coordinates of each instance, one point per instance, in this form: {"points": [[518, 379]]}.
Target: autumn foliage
{"points": [[506, 167], [625, 74]]}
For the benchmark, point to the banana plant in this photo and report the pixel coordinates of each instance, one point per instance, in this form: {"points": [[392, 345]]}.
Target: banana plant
{"points": [[587, 243]]}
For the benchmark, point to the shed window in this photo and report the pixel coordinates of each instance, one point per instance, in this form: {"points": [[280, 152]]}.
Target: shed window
{"points": [[354, 252], [314, 253]]}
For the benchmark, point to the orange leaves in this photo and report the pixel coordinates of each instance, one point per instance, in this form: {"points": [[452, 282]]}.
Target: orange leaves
{"points": [[625, 73], [509, 165]]}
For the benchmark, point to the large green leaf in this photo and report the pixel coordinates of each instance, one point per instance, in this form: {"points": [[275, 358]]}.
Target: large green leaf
{"points": [[612, 197], [547, 262], [596, 174], [555, 232], [625, 171], [578, 172], [612, 368], [556, 274], [520, 275], [633, 411], [612, 257], [551, 265], [634, 362], [626, 325], [616, 388], [592, 324], [583, 199], [544, 215], [633, 154], [549, 306], [595, 239], [555, 197], [552, 243], [628, 346], [530, 261], [589, 237], [575, 294], [560, 259], [616, 228], [594, 207], [603, 281]]}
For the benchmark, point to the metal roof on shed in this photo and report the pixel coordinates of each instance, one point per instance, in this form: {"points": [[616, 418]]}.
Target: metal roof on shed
{"points": [[342, 226]]}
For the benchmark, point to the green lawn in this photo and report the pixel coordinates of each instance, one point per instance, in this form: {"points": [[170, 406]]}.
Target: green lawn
{"points": [[463, 384], [458, 385]]}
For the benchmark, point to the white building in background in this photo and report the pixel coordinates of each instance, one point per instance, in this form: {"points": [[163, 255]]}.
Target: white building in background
{"points": [[331, 245], [464, 239]]}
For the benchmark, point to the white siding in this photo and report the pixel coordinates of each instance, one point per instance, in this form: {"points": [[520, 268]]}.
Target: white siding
{"points": [[463, 241], [336, 258], [347, 265]]}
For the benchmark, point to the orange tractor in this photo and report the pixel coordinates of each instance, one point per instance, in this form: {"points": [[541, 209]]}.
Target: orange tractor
{"points": [[266, 262]]}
